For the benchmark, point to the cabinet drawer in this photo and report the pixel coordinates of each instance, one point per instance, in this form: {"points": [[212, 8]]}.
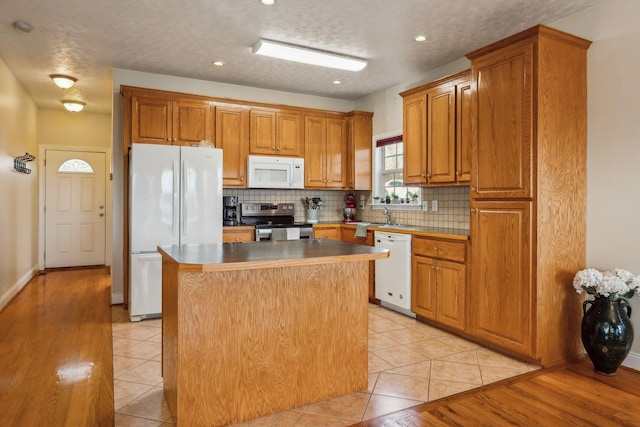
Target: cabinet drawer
{"points": [[439, 249]]}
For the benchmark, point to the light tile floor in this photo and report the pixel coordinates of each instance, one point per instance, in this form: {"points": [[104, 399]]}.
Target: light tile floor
{"points": [[409, 363]]}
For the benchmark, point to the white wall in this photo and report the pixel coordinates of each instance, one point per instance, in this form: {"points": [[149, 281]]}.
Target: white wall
{"points": [[18, 192], [613, 138], [613, 150], [199, 87]]}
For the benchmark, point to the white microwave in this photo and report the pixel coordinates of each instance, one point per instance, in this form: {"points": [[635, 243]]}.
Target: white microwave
{"points": [[275, 172]]}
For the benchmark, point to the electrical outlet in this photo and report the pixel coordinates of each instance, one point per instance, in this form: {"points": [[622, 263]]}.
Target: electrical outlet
{"points": [[434, 205], [425, 205]]}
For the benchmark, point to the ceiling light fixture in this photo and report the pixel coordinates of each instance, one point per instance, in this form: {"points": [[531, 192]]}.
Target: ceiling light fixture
{"points": [[268, 2], [306, 55], [62, 81], [218, 63], [337, 82], [73, 106], [420, 38]]}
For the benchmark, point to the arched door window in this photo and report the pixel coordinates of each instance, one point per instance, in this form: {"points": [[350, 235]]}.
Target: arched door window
{"points": [[75, 166]]}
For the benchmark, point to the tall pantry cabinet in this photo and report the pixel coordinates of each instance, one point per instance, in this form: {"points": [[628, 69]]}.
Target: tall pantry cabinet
{"points": [[528, 193]]}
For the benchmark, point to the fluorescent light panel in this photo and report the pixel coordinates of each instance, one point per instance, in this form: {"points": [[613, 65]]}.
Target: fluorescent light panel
{"points": [[307, 56]]}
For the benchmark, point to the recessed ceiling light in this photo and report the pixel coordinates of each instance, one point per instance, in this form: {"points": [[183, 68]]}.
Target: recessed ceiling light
{"points": [[218, 63], [337, 82], [73, 106], [62, 81], [420, 38], [267, 2], [306, 55]]}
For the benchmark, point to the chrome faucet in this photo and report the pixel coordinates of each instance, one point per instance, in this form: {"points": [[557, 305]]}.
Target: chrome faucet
{"points": [[388, 215]]}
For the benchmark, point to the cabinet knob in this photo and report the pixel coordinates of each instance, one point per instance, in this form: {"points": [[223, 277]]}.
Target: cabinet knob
{"points": [[273, 148], [472, 188], [277, 148], [435, 248], [457, 173]]}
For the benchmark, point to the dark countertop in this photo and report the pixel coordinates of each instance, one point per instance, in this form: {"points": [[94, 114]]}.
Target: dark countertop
{"points": [[268, 254], [445, 233]]}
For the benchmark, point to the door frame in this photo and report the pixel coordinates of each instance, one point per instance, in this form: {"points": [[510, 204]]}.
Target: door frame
{"points": [[41, 197]]}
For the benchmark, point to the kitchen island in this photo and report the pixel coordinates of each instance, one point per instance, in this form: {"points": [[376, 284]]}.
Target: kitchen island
{"points": [[250, 329]]}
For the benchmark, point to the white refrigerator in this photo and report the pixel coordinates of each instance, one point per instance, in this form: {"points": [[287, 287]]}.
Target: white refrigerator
{"points": [[175, 198]]}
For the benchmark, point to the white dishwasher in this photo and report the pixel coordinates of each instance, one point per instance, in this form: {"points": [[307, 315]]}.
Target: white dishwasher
{"points": [[393, 274]]}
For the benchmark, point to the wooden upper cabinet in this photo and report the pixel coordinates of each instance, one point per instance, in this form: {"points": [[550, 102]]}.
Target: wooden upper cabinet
{"points": [[414, 129], [325, 152], [274, 132], [192, 122], [435, 131], [503, 123], [289, 134], [441, 139], [157, 120], [262, 139], [359, 150], [232, 127], [463, 131], [151, 120], [336, 153]]}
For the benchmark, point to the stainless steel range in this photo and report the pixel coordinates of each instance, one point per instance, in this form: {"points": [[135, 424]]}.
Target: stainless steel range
{"points": [[274, 221]]}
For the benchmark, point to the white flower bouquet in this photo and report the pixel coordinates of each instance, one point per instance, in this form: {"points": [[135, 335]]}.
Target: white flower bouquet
{"points": [[611, 284]]}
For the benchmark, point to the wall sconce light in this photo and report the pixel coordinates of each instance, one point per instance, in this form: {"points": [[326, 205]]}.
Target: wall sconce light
{"points": [[73, 106], [62, 81], [307, 56]]}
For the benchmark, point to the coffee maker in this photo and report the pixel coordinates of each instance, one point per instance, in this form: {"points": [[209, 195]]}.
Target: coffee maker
{"points": [[230, 210]]}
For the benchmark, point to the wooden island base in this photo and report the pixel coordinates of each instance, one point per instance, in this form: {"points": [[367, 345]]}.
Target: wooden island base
{"points": [[243, 344]]}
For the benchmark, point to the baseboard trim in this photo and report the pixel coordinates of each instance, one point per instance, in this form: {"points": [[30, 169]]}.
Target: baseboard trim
{"points": [[632, 361], [17, 287], [117, 298]]}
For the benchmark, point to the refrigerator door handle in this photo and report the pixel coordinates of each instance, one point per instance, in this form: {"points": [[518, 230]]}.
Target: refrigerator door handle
{"points": [[176, 198], [184, 192]]}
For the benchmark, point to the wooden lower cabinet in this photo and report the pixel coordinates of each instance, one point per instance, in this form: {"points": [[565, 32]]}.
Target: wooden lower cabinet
{"points": [[238, 234], [439, 281], [502, 288], [330, 232]]}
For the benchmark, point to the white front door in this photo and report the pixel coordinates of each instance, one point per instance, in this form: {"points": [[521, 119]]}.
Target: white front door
{"points": [[74, 208]]}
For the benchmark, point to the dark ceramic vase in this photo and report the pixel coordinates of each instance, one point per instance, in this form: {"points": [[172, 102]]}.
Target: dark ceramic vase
{"points": [[607, 333]]}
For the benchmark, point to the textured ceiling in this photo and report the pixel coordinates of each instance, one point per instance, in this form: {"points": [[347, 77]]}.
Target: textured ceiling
{"points": [[87, 38]]}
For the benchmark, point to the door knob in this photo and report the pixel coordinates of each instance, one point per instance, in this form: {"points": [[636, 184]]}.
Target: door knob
{"points": [[101, 215], [101, 206]]}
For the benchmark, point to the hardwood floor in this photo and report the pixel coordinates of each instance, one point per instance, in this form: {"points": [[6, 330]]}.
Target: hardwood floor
{"points": [[56, 363], [571, 395], [56, 370]]}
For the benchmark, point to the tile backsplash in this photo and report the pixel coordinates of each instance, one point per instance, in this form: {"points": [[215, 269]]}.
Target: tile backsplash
{"points": [[453, 205]]}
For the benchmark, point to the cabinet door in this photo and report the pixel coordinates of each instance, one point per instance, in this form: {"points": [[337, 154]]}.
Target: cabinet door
{"points": [[192, 122], [503, 124], [336, 150], [315, 159], [231, 136], [463, 132], [502, 288], [451, 293], [441, 139], [359, 151], [151, 122], [289, 141], [262, 130], [423, 290], [414, 128]]}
